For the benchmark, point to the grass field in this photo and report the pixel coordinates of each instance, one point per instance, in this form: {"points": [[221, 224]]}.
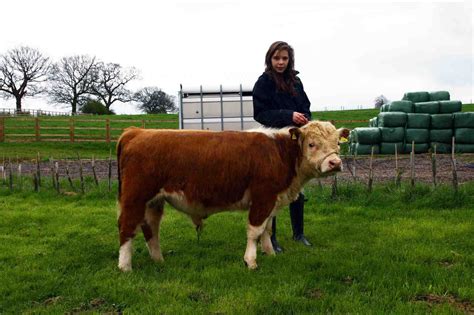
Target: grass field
{"points": [[67, 149], [398, 251]]}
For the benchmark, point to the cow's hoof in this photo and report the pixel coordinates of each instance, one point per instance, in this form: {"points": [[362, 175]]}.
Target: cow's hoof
{"points": [[157, 257], [251, 265], [125, 267]]}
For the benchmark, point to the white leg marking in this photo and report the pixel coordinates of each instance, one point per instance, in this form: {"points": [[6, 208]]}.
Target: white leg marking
{"points": [[267, 246], [125, 256], [253, 233]]}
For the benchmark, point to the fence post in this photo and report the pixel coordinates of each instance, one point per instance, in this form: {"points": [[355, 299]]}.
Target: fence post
{"points": [[37, 129], [2, 129], [71, 130], [107, 130], [143, 123]]}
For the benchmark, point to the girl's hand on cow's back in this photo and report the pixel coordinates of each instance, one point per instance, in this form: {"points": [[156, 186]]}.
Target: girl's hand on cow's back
{"points": [[299, 118]]}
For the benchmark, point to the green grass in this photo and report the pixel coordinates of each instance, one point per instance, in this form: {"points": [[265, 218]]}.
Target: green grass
{"points": [[372, 254]]}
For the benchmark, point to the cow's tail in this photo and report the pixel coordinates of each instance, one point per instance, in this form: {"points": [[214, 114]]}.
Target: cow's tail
{"points": [[126, 136], [119, 152]]}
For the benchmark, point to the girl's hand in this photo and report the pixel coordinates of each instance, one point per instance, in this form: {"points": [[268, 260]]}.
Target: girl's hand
{"points": [[299, 119]]}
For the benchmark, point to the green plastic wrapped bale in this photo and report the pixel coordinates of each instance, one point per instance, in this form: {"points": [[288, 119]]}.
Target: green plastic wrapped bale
{"points": [[440, 147], [384, 108], [419, 147], [446, 107], [426, 107], [363, 149], [464, 120], [373, 122], [417, 135], [441, 135], [392, 119], [418, 121], [464, 148], [464, 135], [441, 121], [370, 135], [396, 134], [439, 96], [416, 97], [389, 147], [401, 106]]}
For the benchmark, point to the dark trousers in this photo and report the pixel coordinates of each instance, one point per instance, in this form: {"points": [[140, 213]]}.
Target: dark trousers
{"points": [[296, 216]]}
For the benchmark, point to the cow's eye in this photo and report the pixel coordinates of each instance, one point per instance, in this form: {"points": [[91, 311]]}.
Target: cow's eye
{"points": [[312, 145]]}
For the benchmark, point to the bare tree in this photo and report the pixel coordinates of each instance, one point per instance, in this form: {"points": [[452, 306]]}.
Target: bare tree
{"points": [[110, 81], [71, 80], [153, 100], [22, 68]]}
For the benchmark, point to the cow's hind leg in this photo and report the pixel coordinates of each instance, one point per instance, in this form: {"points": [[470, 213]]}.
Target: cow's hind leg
{"points": [[131, 216], [151, 227], [253, 234], [265, 240]]}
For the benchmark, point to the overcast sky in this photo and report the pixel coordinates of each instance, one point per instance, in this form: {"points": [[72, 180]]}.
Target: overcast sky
{"points": [[347, 52]]}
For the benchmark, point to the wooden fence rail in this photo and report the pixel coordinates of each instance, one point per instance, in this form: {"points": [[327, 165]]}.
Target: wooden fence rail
{"points": [[70, 129], [29, 129]]}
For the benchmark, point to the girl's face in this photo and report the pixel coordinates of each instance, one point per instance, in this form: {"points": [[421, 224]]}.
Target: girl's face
{"points": [[280, 60]]}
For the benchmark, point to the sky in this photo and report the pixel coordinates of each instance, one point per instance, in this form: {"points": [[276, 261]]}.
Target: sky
{"points": [[347, 52]]}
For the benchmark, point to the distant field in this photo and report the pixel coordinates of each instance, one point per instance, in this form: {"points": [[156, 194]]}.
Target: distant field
{"points": [[94, 127]]}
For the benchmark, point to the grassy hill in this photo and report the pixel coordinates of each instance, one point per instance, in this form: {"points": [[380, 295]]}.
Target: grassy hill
{"points": [[56, 128]]}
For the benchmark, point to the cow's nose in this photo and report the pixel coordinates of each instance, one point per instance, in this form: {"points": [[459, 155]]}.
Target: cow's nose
{"points": [[335, 164]]}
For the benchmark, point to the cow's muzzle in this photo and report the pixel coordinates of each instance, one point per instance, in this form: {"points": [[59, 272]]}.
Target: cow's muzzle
{"points": [[330, 164], [335, 165]]}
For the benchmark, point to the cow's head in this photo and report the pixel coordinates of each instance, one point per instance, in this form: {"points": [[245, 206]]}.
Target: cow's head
{"points": [[319, 142]]}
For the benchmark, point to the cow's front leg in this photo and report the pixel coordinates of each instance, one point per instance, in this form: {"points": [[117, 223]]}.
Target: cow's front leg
{"points": [[265, 240], [253, 234]]}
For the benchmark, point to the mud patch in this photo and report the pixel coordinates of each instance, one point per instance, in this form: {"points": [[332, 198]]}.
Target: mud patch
{"points": [[433, 299], [314, 294]]}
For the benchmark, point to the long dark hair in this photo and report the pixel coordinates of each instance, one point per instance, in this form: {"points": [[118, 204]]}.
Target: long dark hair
{"points": [[286, 81]]}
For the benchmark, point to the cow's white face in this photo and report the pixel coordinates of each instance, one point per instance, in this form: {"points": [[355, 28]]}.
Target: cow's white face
{"points": [[319, 142]]}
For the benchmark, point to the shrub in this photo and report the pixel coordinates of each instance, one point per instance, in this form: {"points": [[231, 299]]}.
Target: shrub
{"points": [[95, 107]]}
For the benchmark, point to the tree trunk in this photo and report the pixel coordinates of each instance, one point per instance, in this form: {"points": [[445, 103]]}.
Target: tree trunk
{"points": [[18, 104], [73, 106]]}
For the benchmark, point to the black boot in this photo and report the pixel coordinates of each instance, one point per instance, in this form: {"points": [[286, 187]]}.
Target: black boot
{"points": [[297, 223], [276, 247]]}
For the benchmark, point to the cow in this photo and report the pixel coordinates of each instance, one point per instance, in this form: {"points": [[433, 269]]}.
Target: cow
{"points": [[204, 172]]}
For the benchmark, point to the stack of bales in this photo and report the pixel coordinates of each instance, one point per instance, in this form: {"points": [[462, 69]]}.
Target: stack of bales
{"points": [[363, 139], [392, 131], [464, 132], [441, 132], [428, 119], [417, 131], [440, 109]]}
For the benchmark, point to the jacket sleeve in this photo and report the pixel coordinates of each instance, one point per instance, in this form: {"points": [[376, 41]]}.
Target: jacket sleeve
{"points": [[264, 111], [307, 103]]}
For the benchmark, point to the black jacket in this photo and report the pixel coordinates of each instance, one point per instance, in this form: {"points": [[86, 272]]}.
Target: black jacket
{"points": [[273, 108]]}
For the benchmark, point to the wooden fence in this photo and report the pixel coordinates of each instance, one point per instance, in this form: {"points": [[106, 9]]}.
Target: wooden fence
{"points": [[72, 129], [77, 129]]}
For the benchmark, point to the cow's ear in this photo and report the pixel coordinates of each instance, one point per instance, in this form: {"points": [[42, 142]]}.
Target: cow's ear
{"points": [[343, 134], [295, 133]]}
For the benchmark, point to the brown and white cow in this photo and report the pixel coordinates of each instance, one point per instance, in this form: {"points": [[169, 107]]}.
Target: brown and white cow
{"points": [[203, 172]]}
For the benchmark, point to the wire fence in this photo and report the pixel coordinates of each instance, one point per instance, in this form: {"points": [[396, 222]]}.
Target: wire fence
{"points": [[81, 174]]}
